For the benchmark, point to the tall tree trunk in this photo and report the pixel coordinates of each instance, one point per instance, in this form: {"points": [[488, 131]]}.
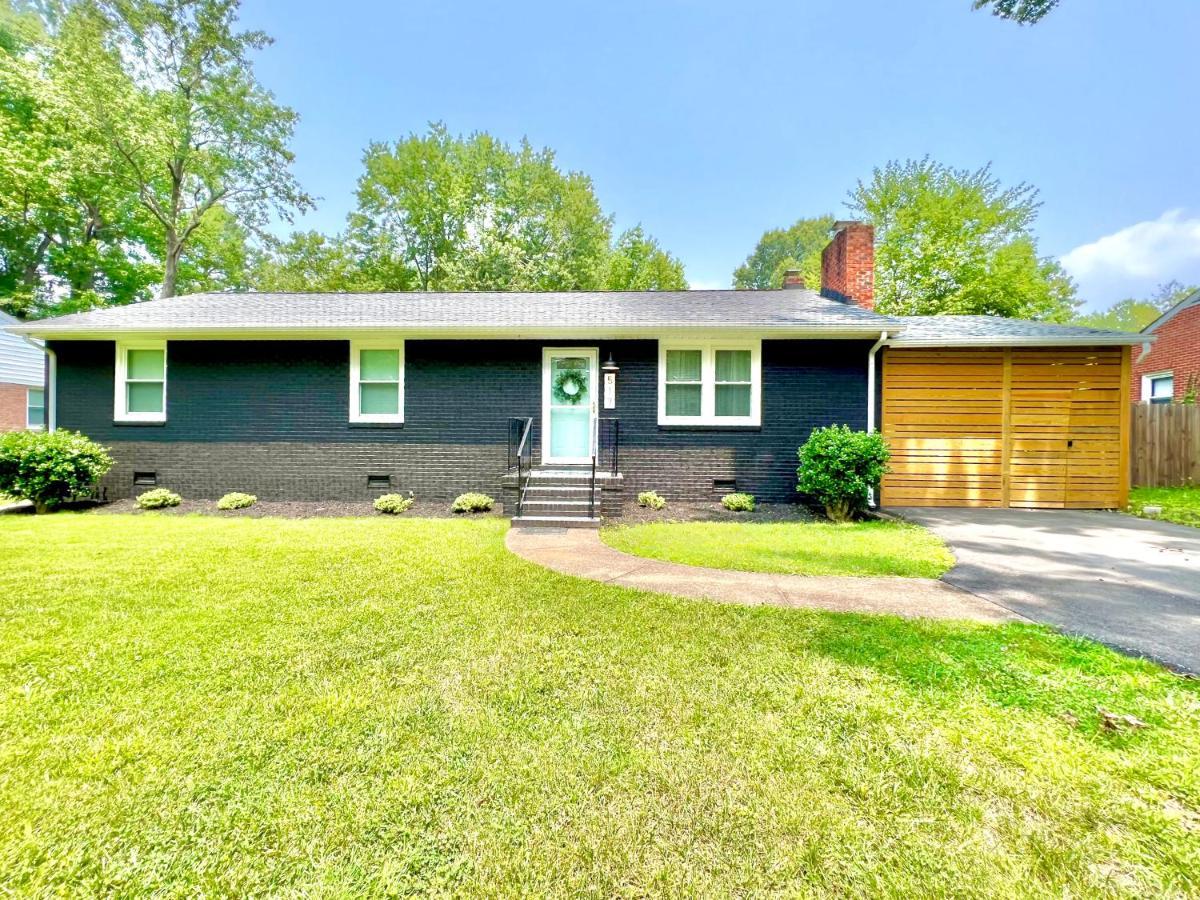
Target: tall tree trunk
{"points": [[171, 265], [31, 278]]}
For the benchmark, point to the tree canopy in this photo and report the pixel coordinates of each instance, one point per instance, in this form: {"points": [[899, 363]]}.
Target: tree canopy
{"points": [[779, 249], [437, 211], [1023, 12], [1132, 314], [955, 241]]}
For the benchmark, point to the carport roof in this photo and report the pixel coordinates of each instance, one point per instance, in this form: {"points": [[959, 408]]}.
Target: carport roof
{"points": [[993, 331]]}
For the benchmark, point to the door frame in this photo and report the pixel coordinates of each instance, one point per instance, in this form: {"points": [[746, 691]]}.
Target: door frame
{"points": [[593, 355]]}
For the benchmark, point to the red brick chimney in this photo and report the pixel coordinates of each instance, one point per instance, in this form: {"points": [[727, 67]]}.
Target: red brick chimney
{"points": [[792, 278], [848, 265]]}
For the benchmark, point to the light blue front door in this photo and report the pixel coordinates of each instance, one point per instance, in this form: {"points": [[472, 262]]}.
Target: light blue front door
{"points": [[569, 395]]}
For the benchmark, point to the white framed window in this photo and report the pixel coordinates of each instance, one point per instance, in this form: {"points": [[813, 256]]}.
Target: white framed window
{"points": [[141, 382], [1158, 388], [709, 382], [35, 409], [377, 381]]}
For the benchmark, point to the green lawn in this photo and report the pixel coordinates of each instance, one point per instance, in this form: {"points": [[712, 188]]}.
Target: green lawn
{"points": [[796, 548], [1179, 504], [357, 707]]}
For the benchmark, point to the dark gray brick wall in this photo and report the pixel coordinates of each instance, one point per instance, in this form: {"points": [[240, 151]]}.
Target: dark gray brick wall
{"points": [[271, 418]]}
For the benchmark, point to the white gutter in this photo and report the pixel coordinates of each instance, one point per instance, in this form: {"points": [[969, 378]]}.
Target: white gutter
{"points": [[883, 336], [1145, 352]]}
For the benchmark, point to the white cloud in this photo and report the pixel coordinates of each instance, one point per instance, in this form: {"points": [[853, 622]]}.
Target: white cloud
{"points": [[1134, 260]]}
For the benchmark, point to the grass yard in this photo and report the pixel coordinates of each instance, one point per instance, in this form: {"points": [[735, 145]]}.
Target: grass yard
{"points": [[793, 548], [360, 707], [1179, 504]]}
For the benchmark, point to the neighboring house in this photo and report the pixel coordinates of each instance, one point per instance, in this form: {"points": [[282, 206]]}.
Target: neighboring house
{"points": [[1172, 366], [691, 393], [22, 380]]}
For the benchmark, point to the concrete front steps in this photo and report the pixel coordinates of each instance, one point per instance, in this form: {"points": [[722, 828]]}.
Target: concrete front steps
{"points": [[558, 498]]}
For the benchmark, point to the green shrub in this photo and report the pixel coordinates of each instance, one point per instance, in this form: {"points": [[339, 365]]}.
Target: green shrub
{"points": [[159, 498], [236, 500], [651, 500], [49, 467], [393, 504], [839, 467], [472, 502], [738, 502]]}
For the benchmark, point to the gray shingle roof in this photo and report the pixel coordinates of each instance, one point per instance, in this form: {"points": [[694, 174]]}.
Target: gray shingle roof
{"points": [[487, 312], [596, 313], [929, 331]]}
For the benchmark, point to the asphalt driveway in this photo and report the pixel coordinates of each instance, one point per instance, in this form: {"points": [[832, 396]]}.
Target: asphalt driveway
{"points": [[1132, 583]]}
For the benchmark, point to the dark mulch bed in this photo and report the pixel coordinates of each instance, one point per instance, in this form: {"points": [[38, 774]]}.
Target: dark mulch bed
{"points": [[715, 512], [291, 509]]}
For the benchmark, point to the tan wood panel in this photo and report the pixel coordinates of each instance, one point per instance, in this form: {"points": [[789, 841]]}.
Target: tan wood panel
{"points": [[1038, 428]]}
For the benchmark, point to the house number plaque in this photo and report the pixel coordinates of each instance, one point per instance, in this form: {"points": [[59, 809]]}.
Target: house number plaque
{"points": [[610, 390]]}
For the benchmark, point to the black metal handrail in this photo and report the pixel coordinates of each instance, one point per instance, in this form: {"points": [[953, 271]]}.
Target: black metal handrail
{"points": [[608, 442], [523, 455]]}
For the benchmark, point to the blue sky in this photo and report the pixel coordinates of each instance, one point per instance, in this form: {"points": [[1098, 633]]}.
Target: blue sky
{"points": [[709, 121]]}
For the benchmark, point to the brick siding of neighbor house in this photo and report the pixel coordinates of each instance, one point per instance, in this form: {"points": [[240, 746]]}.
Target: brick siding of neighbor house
{"points": [[271, 418], [13, 410], [1176, 350], [848, 265]]}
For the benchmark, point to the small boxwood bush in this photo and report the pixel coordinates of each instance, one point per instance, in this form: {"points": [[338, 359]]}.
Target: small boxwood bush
{"points": [[236, 500], [738, 502], [50, 467], [839, 467], [393, 504], [651, 500], [159, 498], [472, 502]]}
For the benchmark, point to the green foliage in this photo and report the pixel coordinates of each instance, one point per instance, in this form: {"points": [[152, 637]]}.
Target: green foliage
{"points": [[51, 467], [311, 261], [839, 467], [1179, 504], [738, 502], [1023, 12], [796, 247], [158, 498], [651, 500], [1132, 314], [956, 242], [472, 502], [394, 504], [638, 263], [570, 386], [364, 708], [179, 120], [790, 548], [234, 500]]}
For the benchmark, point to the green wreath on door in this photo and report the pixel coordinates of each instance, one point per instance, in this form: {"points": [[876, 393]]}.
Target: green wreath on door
{"points": [[570, 387]]}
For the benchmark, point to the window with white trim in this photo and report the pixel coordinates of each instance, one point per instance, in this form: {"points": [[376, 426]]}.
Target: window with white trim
{"points": [[141, 382], [1158, 388], [35, 409], [377, 381], [709, 383]]}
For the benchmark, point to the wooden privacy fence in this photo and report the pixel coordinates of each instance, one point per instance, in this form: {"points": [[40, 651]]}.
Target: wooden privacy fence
{"points": [[1165, 444]]}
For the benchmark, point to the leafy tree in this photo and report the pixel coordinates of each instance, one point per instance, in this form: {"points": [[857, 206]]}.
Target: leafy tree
{"points": [[1023, 12], [1132, 314], [453, 213], [638, 263], [311, 261], [780, 249], [953, 241], [171, 97], [68, 233]]}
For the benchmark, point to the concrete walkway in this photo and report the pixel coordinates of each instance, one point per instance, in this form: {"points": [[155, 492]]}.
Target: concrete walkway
{"points": [[580, 552]]}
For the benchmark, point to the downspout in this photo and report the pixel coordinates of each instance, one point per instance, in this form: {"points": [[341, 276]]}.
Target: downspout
{"points": [[883, 336]]}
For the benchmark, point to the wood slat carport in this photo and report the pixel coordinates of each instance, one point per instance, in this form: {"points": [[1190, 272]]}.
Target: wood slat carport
{"points": [[1012, 426]]}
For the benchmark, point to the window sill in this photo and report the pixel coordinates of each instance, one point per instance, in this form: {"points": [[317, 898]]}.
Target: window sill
{"points": [[701, 426], [139, 423], [376, 424]]}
